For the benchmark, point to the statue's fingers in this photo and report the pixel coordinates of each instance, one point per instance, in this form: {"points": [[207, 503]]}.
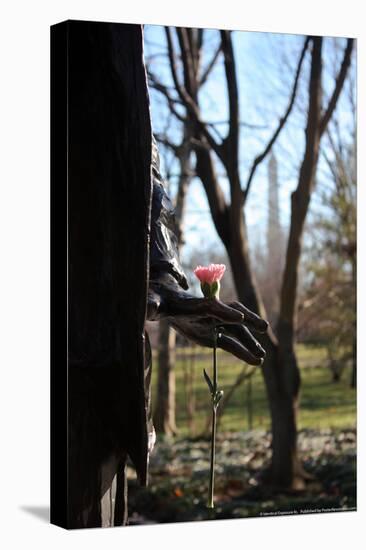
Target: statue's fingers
{"points": [[224, 312], [234, 347], [179, 304], [252, 320], [245, 337]]}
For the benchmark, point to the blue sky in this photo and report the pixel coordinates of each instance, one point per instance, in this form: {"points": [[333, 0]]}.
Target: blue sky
{"points": [[266, 66]]}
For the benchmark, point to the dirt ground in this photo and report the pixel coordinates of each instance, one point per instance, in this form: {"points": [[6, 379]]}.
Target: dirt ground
{"points": [[179, 472]]}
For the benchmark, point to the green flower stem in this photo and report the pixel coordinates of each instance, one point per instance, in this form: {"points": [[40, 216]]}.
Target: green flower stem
{"points": [[210, 503], [216, 396]]}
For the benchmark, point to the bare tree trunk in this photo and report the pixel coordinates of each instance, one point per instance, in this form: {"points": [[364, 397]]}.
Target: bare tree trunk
{"points": [[285, 462], [189, 379], [164, 415], [278, 379]]}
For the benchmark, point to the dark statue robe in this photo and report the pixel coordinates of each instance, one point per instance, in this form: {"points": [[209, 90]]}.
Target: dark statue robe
{"points": [[108, 209]]}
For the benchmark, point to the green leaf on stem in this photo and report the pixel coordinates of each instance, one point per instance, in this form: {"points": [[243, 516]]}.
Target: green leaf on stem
{"points": [[208, 380]]}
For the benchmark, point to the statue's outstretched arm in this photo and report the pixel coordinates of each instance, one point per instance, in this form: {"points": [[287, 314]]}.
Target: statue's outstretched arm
{"points": [[169, 298], [195, 318]]}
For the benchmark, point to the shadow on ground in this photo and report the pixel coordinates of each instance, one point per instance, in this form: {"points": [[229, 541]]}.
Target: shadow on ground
{"points": [[40, 512]]}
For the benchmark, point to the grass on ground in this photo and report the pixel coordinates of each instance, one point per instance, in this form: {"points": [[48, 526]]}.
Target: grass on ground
{"points": [[323, 404]]}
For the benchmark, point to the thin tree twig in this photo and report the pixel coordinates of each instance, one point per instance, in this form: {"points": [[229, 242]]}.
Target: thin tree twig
{"points": [[241, 123], [281, 124], [209, 67], [171, 101]]}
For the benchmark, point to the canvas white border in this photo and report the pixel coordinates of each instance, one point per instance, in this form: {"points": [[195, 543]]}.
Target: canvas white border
{"points": [[24, 275]]}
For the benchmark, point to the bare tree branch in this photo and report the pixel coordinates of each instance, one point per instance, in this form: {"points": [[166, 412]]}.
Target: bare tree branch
{"points": [[214, 129], [171, 100], [243, 124], [187, 59], [205, 170], [187, 99], [281, 124], [338, 85], [330, 164], [209, 67], [233, 94], [200, 33], [163, 89], [300, 198], [169, 144]]}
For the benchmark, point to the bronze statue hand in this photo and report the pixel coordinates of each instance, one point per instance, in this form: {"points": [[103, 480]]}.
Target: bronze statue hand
{"points": [[195, 318]]}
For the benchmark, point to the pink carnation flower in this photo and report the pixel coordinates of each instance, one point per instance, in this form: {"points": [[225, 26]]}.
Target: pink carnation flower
{"points": [[211, 273], [210, 278]]}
